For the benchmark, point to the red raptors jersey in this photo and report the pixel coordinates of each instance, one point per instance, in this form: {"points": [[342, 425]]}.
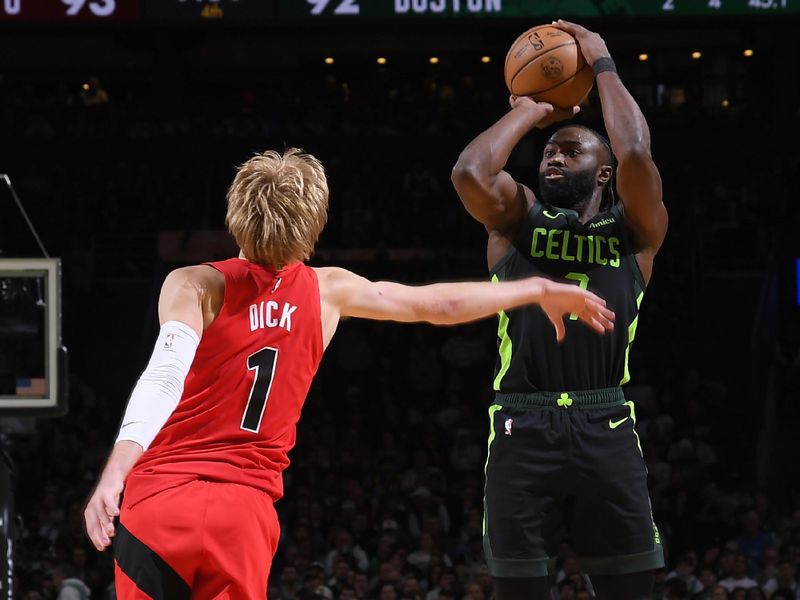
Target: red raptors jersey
{"points": [[242, 398]]}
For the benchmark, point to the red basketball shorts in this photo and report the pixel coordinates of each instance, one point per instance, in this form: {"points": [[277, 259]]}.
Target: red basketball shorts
{"points": [[198, 540]]}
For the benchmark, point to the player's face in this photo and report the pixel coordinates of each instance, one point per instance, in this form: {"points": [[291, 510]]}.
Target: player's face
{"points": [[569, 167]]}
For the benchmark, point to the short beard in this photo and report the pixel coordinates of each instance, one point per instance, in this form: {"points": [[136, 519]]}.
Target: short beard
{"points": [[574, 190]]}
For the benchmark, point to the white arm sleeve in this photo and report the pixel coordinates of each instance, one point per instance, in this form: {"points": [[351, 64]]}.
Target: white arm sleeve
{"points": [[160, 387]]}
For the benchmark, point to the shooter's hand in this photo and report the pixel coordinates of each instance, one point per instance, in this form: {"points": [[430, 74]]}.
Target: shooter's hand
{"points": [[552, 114], [590, 43]]}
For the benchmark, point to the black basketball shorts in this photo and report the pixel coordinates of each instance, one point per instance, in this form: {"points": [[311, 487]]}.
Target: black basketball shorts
{"points": [[567, 464]]}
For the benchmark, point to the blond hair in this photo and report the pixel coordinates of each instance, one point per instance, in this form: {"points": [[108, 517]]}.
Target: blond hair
{"points": [[278, 206]]}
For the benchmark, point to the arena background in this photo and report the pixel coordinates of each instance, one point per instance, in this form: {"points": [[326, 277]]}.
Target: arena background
{"points": [[121, 125]]}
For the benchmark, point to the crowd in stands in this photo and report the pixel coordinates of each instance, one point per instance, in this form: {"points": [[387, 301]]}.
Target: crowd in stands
{"points": [[384, 495]]}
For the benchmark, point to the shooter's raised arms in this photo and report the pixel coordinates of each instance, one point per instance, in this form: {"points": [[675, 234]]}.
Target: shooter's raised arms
{"points": [[487, 191], [638, 180]]}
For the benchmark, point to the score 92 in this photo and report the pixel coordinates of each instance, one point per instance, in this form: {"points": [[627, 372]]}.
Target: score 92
{"points": [[99, 8]]}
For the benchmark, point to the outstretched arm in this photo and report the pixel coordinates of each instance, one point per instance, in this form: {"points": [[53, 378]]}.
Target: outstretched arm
{"points": [[458, 302], [189, 299], [488, 192], [638, 179]]}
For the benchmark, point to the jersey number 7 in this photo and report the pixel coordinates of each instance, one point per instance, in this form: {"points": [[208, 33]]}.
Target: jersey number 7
{"points": [[263, 363], [583, 283]]}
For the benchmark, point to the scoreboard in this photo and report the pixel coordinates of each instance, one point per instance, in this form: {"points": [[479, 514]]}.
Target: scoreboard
{"points": [[407, 9], [68, 10], [376, 10]]}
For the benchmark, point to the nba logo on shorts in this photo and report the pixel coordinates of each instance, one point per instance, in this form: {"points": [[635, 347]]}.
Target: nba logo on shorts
{"points": [[169, 340], [509, 423]]}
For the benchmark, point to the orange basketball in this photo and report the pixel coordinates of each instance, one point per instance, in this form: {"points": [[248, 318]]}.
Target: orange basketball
{"points": [[546, 63]]}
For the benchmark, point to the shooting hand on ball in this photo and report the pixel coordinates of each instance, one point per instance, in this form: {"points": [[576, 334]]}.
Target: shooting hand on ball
{"points": [[590, 43], [551, 114]]}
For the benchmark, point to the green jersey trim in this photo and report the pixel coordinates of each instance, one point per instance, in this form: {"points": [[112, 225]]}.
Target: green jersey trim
{"points": [[626, 376], [506, 347], [631, 407], [492, 409]]}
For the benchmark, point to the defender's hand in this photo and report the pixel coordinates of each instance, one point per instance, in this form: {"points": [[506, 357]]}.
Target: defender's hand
{"points": [[561, 299], [101, 510], [550, 114], [590, 43]]}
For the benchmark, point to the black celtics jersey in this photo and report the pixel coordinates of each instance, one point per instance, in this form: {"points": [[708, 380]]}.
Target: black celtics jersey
{"points": [[597, 256]]}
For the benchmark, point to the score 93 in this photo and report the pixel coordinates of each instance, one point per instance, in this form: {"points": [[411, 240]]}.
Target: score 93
{"points": [[99, 8]]}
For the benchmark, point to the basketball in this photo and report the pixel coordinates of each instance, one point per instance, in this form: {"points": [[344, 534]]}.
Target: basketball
{"points": [[546, 63]]}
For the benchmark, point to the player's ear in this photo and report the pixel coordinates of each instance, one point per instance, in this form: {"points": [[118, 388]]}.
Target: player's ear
{"points": [[604, 174]]}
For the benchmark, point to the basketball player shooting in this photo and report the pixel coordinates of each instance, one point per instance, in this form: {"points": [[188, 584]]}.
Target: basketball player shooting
{"points": [[563, 449], [209, 425]]}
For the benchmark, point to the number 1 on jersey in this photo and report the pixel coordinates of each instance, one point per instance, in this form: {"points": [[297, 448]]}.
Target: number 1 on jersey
{"points": [[263, 363], [583, 283]]}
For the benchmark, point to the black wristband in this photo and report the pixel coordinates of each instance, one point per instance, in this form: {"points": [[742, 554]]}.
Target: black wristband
{"points": [[601, 65]]}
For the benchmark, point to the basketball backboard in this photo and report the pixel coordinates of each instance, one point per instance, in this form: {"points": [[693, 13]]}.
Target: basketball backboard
{"points": [[32, 359]]}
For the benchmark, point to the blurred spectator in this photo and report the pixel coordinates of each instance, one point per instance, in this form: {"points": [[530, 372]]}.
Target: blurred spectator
{"points": [[708, 582], [738, 576], [753, 543], [756, 593], [345, 548], [347, 593], [289, 583], [782, 594], [719, 593], [341, 576], [785, 580], [675, 589], [68, 585], [684, 571], [387, 592], [571, 571], [445, 586], [768, 567]]}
